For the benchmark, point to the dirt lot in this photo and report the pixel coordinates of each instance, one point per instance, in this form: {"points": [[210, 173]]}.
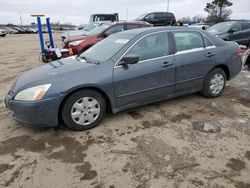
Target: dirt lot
{"points": [[153, 146]]}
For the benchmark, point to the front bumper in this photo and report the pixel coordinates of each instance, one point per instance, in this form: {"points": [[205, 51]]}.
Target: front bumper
{"points": [[38, 114]]}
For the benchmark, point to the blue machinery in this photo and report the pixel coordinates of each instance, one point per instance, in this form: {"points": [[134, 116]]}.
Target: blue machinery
{"points": [[40, 32]]}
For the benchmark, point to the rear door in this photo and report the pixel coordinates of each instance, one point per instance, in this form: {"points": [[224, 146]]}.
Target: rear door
{"points": [[152, 78], [193, 60]]}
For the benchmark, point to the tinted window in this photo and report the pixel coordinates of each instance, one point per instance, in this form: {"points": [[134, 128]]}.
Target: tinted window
{"points": [[207, 42], [159, 15], [188, 40], [133, 26], [115, 29], [150, 17], [169, 15], [245, 26], [104, 18], [152, 46]]}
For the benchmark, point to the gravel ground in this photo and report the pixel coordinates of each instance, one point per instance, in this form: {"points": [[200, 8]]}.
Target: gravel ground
{"points": [[153, 146]]}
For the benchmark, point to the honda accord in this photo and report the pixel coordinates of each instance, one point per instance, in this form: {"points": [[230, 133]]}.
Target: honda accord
{"points": [[123, 71]]}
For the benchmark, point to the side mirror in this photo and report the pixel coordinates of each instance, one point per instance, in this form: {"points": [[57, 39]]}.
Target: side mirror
{"points": [[105, 35], [129, 59], [232, 31]]}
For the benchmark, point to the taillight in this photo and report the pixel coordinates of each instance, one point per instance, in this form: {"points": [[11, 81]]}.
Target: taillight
{"points": [[238, 52]]}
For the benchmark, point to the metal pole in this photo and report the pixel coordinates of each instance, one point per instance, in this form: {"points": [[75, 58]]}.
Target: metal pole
{"points": [[21, 20], [40, 32], [50, 33], [168, 6]]}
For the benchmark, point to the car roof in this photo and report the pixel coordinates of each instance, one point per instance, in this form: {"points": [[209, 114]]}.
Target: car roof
{"points": [[127, 22], [158, 12], [155, 29], [149, 30]]}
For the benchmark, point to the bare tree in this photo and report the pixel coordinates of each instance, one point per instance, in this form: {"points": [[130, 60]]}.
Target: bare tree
{"points": [[218, 11]]}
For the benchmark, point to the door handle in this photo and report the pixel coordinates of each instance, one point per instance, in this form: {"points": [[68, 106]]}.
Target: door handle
{"points": [[210, 54], [166, 64]]}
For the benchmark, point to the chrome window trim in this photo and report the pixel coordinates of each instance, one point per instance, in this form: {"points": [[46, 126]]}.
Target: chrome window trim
{"points": [[116, 64], [213, 46], [177, 53]]}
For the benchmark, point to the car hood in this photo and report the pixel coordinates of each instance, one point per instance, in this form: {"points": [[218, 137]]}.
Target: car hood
{"points": [[50, 73]]}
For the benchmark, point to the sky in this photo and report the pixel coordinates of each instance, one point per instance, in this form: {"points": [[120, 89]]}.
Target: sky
{"points": [[78, 11]]}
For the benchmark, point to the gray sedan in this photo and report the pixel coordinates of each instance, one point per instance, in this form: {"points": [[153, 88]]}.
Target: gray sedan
{"points": [[123, 71]]}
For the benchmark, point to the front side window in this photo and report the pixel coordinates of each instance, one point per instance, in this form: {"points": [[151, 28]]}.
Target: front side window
{"points": [[150, 17], [115, 29], [152, 46], [188, 40]]}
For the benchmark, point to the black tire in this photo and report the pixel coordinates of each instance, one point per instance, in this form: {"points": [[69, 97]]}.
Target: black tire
{"points": [[77, 96], [207, 92]]}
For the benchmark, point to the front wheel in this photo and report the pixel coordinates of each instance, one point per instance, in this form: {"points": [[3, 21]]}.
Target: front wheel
{"points": [[214, 83], [83, 110]]}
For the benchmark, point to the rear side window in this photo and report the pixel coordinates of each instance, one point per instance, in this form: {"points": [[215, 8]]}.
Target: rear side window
{"points": [[188, 40], [152, 46], [207, 42], [245, 26]]}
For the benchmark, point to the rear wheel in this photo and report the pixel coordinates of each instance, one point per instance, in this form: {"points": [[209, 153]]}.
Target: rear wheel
{"points": [[83, 110], [214, 83]]}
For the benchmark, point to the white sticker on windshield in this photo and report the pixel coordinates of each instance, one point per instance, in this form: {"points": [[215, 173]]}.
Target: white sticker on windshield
{"points": [[121, 41]]}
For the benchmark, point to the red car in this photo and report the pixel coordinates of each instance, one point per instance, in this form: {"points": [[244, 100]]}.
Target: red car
{"points": [[81, 43]]}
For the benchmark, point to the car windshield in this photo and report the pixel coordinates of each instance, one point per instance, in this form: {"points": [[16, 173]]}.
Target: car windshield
{"points": [[141, 17], [221, 27], [99, 29], [90, 26], [106, 49]]}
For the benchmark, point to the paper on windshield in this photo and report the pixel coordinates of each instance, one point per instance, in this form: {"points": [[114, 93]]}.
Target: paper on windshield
{"points": [[122, 41]]}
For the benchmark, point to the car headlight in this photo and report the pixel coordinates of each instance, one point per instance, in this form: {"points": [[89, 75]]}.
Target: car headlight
{"points": [[33, 94], [75, 43]]}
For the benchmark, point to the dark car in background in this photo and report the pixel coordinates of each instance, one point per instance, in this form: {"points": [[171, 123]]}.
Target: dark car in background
{"points": [[158, 18], [81, 43], [238, 31], [125, 70], [104, 17]]}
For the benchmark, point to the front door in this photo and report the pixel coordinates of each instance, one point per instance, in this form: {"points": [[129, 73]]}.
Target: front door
{"points": [[152, 78]]}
